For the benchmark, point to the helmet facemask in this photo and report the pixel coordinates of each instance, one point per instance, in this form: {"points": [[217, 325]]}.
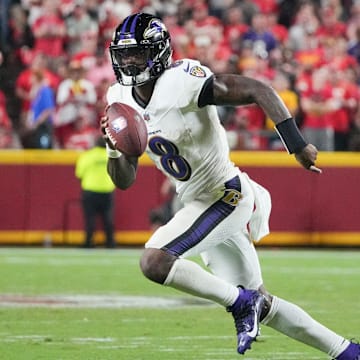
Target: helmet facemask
{"points": [[132, 63]]}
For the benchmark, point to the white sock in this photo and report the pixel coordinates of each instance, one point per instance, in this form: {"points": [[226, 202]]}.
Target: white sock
{"points": [[294, 322], [191, 278]]}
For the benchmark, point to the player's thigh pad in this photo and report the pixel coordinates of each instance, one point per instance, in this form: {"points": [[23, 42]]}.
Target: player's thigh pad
{"points": [[196, 227]]}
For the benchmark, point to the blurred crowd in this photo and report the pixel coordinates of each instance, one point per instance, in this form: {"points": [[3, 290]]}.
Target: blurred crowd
{"points": [[55, 67]]}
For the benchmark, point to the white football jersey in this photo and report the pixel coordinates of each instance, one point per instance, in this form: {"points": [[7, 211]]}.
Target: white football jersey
{"points": [[187, 143]]}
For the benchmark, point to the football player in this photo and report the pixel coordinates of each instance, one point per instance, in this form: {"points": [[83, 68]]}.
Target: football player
{"points": [[188, 144]]}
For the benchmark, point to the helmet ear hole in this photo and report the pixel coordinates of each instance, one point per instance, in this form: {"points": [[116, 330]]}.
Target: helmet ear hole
{"points": [[138, 33], [158, 69]]}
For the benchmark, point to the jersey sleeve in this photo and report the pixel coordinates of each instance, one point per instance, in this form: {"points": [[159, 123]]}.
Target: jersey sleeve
{"points": [[194, 76]]}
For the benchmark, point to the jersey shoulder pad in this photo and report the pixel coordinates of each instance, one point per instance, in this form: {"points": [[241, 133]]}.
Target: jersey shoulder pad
{"points": [[190, 76], [192, 68]]}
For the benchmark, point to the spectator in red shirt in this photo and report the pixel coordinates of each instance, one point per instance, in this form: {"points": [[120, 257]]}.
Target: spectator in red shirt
{"points": [[248, 124], [345, 94], [239, 132], [23, 82], [211, 52], [75, 93], [50, 31], [309, 57], [318, 107], [336, 55], [303, 81], [206, 39], [330, 26], [234, 27], [201, 23]]}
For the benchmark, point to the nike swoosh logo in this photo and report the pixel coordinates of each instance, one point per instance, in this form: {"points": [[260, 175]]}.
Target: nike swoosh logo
{"points": [[253, 333], [187, 68]]}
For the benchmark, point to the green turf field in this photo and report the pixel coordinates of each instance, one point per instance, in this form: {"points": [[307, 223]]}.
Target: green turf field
{"points": [[70, 304]]}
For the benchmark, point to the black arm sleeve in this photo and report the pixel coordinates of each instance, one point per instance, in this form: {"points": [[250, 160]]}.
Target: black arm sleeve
{"points": [[206, 96], [290, 136]]}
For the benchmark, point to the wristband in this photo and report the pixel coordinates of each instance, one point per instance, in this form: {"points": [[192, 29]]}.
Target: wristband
{"points": [[290, 136], [112, 153]]}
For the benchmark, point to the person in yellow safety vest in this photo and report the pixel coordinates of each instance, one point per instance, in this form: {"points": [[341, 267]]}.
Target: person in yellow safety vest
{"points": [[97, 193]]}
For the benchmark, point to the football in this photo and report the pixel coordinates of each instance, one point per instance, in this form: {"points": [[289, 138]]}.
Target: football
{"points": [[127, 129]]}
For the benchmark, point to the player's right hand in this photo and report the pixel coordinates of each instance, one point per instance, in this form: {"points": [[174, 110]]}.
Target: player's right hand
{"points": [[307, 156]]}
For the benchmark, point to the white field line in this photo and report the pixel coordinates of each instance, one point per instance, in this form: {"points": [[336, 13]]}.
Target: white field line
{"points": [[98, 301], [82, 261]]}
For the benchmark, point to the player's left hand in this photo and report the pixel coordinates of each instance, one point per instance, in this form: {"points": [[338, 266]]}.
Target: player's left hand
{"points": [[307, 156]]}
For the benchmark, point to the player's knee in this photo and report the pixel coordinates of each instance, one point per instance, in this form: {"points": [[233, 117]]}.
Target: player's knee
{"points": [[156, 264]]}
